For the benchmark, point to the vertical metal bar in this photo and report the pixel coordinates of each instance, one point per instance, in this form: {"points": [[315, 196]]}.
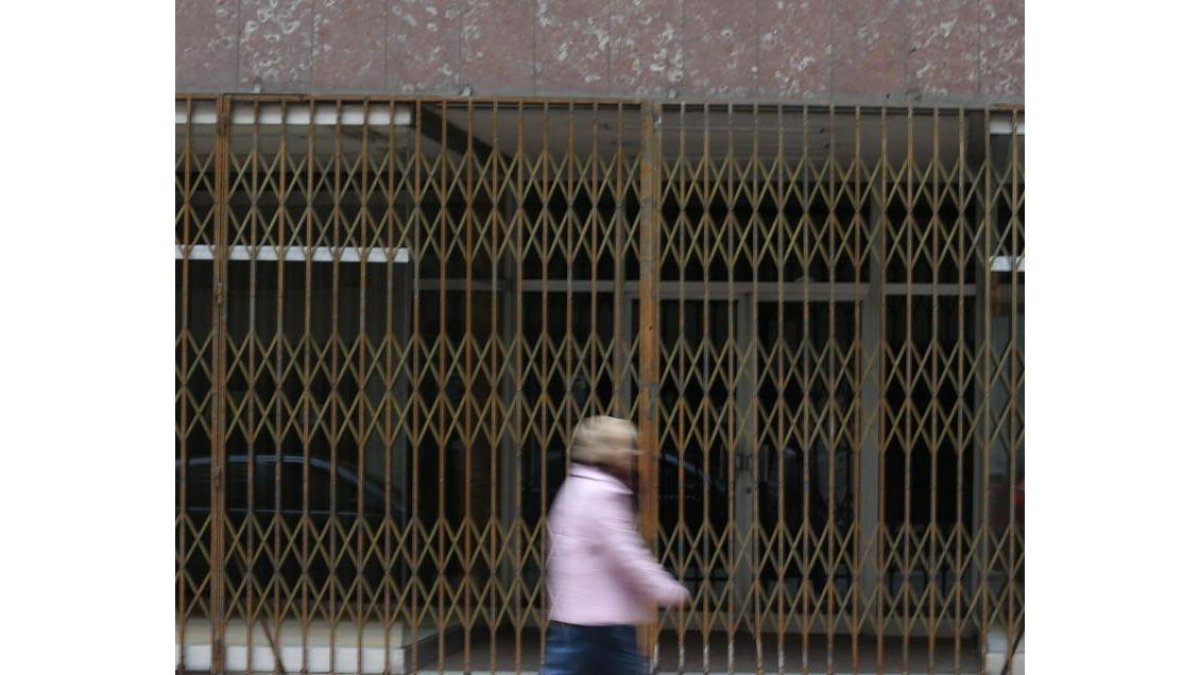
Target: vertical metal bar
{"points": [[782, 532], [565, 225], [510, 390], [309, 404], [704, 358], [362, 384], [909, 379], [737, 582], [883, 421], [806, 438], [406, 433], [443, 433], [595, 364], [593, 192], [961, 256], [495, 376], [810, 610], [866, 345], [568, 225], [391, 374], [854, 413], [519, 366], [678, 364], [250, 408], [468, 427], [648, 336], [621, 320], [334, 346], [408, 387], [754, 339], [544, 371], [831, 438], [517, 324], [985, 405], [1015, 314], [743, 539], [183, 339], [416, 347], [934, 349], [220, 262], [281, 193]]}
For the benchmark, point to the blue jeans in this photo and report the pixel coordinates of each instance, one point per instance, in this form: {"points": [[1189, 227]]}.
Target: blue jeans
{"points": [[592, 650]]}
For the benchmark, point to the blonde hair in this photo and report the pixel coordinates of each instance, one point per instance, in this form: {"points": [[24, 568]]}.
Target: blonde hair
{"points": [[604, 440]]}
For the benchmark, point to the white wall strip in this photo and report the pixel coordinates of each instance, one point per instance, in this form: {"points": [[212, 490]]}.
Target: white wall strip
{"points": [[1005, 263], [319, 114], [293, 254], [1004, 127]]}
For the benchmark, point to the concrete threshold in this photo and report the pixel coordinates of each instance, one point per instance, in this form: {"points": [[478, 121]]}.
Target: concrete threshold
{"points": [[345, 649], [329, 648]]}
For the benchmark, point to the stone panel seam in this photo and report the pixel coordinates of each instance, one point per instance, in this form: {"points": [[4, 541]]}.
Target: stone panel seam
{"points": [[979, 50], [533, 54], [312, 36], [911, 91], [758, 89], [608, 48], [237, 48], [682, 51], [387, 37], [978, 93], [832, 53], [461, 20]]}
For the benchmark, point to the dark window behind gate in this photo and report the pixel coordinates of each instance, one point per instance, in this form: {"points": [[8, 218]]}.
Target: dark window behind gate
{"points": [[391, 313]]}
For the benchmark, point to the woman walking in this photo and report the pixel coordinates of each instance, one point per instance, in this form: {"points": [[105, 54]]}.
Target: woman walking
{"points": [[602, 577]]}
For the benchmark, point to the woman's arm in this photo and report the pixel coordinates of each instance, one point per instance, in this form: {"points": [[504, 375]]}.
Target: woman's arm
{"points": [[628, 553]]}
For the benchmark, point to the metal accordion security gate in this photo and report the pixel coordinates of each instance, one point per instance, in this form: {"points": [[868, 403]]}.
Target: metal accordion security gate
{"points": [[392, 312]]}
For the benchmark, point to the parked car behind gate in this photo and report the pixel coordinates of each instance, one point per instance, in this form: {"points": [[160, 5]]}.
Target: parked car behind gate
{"points": [[331, 496]]}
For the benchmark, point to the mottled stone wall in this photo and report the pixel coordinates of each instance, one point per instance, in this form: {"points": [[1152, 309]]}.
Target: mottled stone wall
{"points": [[931, 51]]}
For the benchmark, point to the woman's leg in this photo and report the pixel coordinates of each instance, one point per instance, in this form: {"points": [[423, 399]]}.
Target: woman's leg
{"points": [[570, 650], [619, 653]]}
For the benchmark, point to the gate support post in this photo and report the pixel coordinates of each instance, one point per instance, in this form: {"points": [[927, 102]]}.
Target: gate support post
{"points": [[216, 527], [649, 220]]}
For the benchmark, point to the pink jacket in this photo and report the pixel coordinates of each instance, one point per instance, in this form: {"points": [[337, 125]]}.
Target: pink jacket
{"points": [[601, 572]]}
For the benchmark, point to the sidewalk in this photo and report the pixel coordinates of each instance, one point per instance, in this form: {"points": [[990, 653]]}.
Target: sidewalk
{"points": [[382, 651]]}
